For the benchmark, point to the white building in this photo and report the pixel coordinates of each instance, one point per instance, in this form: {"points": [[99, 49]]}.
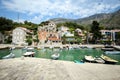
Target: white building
{"points": [[109, 33], [65, 31], [19, 36]]}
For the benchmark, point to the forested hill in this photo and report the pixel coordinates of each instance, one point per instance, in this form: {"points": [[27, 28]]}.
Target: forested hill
{"points": [[108, 20]]}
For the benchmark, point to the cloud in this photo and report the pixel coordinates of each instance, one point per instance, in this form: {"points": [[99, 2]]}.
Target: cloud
{"points": [[46, 9]]}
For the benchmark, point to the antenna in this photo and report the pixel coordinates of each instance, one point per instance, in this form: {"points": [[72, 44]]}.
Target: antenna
{"points": [[18, 17]]}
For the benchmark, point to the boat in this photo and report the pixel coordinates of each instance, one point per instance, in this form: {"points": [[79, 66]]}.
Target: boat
{"points": [[94, 59], [89, 58], [11, 48], [108, 60], [40, 47], [108, 46], [99, 60], [112, 52], [29, 53], [55, 56], [90, 47], [11, 55], [107, 49], [78, 62]]}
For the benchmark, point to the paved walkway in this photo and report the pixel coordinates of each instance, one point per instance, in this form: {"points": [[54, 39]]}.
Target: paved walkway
{"points": [[46, 69], [74, 45]]}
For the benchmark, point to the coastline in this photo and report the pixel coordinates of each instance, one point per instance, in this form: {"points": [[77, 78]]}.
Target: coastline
{"points": [[2, 46], [45, 69]]}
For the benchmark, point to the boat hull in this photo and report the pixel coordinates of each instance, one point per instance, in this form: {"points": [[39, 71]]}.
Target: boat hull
{"points": [[11, 55], [55, 56], [112, 52], [108, 60]]}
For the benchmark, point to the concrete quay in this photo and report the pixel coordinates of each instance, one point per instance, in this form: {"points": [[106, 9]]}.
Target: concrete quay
{"points": [[46, 69]]}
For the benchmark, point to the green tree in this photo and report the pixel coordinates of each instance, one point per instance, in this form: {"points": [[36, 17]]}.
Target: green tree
{"points": [[95, 29], [29, 39], [5, 24]]}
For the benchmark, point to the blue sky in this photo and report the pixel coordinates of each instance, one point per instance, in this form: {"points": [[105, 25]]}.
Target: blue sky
{"points": [[37, 11]]}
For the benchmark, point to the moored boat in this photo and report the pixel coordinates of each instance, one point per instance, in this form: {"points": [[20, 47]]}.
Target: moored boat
{"points": [[108, 60], [107, 49], [79, 62], [94, 59], [89, 58], [11, 55], [30, 52], [112, 52], [99, 60], [55, 56]]}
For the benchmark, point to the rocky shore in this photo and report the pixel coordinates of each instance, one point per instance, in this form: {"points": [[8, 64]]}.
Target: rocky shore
{"points": [[46, 69]]}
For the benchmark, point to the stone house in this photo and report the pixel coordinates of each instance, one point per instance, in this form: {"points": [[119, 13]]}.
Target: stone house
{"points": [[48, 34], [19, 35]]}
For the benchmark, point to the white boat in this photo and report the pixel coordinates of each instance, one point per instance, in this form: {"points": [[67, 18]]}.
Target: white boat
{"points": [[11, 48], [11, 55], [30, 52], [90, 47], [93, 59], [107, 49], [55, 56], [99, 60], [112, 52], [40, 47], [89, 58]]}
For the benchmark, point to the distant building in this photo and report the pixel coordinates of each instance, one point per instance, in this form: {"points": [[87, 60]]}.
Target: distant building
{"points": [[48, 34], [80, 32], [65, 31], [109, 34], [19, 36]]}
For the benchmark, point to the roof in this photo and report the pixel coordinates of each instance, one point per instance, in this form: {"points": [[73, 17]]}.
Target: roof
{"points": [[25, 29], [110, 30], [54, 39]]}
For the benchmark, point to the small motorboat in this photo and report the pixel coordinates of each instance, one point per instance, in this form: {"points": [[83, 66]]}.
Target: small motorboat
{"points": [[89, 58], [29, 53], [40, 47], [99, 60], [107, 49], [112, 52], [11, 55], [78, 62], [11, 48], [108, 60], [94, 59], [55, 56]]}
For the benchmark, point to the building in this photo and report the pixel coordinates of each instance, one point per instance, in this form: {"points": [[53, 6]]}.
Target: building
{"points": [[48, 34], [109, 34], [80, 33], [19, 35], [64, 31]]}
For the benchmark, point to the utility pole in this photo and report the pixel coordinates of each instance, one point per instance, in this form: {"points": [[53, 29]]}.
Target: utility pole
{"points": [[18, 17]]}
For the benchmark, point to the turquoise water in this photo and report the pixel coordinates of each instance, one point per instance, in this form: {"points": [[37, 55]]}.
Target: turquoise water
{"points": [[67, 55]]}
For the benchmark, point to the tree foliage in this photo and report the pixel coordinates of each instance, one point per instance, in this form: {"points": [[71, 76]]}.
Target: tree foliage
{"points": [[95, 29], [70, 25], [5, 24]]}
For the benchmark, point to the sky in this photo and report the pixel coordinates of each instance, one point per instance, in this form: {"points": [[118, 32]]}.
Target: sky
{"points": [[37, 11]]}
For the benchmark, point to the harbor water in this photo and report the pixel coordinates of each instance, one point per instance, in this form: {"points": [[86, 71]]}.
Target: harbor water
{"points": [[65, 54]]}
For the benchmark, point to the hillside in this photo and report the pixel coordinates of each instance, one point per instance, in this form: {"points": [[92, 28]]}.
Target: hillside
{"points": [[109, 20]]}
